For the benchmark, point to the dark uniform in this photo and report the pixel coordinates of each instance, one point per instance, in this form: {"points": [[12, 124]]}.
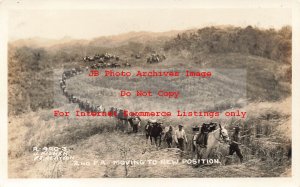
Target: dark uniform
{"points": [[205, 129], [234, 145], [156, 132], [168, 137], [204, 132]]}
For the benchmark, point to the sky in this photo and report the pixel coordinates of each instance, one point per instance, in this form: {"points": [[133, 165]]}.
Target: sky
{"points": [[90, 22]]}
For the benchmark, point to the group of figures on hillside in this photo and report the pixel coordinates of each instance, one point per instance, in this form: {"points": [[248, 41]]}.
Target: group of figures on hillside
{"points": [[107, 60], [206, 137]]}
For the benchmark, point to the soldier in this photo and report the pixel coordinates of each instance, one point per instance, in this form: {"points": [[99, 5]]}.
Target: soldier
{"points": [[204, 132], [203, 136], [81, 105], [148, 128], [71, 98], [180, 136], [196, 133], [135, 123], [169, 137], [234, 145]]}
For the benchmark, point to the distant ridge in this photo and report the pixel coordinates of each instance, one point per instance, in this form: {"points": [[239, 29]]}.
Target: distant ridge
{"points": [[105, 41]]}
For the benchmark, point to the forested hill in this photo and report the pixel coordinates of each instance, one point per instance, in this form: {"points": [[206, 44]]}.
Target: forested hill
{"points": [[270, 43]]}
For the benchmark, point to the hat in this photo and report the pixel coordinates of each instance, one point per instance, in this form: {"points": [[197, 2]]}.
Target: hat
{"points": [[195, 128], [180, 125], [152, 120]]}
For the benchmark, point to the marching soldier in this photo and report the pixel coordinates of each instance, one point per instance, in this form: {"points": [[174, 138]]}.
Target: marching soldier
{"points": [[180, 137], [234, 145]]}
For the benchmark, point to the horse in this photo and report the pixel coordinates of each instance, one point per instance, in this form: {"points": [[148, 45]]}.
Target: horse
{"points": [[216, 137]]}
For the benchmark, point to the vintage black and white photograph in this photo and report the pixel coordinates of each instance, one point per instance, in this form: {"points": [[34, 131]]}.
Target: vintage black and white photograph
{"points": [[149, 92]]}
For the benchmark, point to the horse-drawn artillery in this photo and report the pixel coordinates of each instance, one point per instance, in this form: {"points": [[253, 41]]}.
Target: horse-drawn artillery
{"points": [[155, 58]]}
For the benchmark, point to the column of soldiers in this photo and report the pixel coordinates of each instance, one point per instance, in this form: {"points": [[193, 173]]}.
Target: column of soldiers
{"points": [[179, 136], [83, 105]]}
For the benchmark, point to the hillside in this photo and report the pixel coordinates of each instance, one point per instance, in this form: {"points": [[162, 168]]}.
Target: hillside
{"points": [[251, 72]]}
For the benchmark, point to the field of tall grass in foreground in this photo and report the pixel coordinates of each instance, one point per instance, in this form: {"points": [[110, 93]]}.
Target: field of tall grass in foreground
{"points": [[94, 139]]}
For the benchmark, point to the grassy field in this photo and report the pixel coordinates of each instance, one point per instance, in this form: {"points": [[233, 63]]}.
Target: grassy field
{"points": [[245, 78], [96, 139], [265, 149]]}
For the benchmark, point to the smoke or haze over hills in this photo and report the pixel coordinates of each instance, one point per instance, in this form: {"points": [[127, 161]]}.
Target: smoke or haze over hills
{"points": [[104, 41]]}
